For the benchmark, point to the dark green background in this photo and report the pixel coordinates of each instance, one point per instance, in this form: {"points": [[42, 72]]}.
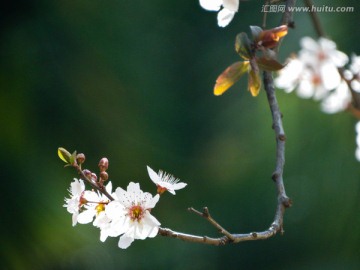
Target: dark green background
{"points": [[132, 81]]}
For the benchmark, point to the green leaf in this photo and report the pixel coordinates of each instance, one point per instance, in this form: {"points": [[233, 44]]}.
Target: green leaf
{"points": [[255, 31], [64, 155], [230, 76], [254, 83], [243, 46], [268, 64], [73, 158]]}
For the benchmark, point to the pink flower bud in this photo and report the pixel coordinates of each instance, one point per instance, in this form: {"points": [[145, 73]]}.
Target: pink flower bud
{"points": [[104, 176], [103, 164], [87, 173], [80, 158], [93, 177]]}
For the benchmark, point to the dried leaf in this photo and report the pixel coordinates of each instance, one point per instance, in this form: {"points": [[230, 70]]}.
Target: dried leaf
{"points": [[268, 64]]}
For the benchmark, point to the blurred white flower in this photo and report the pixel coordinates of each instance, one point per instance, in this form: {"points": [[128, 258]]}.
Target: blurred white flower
{"points": [[290, 76], [314, 74], [95, 204], [357, 151], [354, 71], [338, 100], [74, 203], [321, 51], [355, 64], [226, 14], [129, 216], [165, 181]]}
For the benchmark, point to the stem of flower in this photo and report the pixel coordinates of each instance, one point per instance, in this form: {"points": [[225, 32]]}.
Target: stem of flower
{"points": [[91, 183]]}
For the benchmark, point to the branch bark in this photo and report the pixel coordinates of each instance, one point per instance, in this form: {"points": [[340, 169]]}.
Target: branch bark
{"points": [[283, 201]]}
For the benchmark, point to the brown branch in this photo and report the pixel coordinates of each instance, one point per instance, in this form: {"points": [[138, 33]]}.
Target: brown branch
{"points": [[288, 14], [101, 188], [282, 200], [206, 214]]}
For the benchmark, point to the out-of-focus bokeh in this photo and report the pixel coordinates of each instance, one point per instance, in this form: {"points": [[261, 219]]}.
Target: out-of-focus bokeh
{"points": [[132, 81]]}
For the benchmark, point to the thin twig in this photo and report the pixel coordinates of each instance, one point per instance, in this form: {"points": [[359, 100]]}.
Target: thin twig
{"points": [[288, 13], [315, 19], [206, 214], [102, 188]]}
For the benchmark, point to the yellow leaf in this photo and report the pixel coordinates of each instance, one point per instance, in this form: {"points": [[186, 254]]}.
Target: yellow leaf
{"points": [[254, 83], [230, 76], [64, 155]]}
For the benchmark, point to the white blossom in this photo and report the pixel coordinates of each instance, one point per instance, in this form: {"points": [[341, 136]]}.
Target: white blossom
{"points": [[357, 151], [74, 203], [95, 204], [314, 74], [129, 216], [226, 14], [355, 64], [338, 100], [355, 73], [290, 76], [165, 181]]}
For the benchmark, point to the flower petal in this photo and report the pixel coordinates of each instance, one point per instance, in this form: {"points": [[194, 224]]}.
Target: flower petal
{"points": [[179, 186], [225, 16], [86, 216], [330, 76], [340, 59], [77, 187], [74, 218], [151, 204], [212, 5], [133, 187], [153, 175], [125, 241], [109, 187], [114, 210], [232, 5], [309, 44]]}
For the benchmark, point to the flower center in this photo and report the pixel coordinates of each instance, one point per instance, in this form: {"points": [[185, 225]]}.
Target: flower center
{"points": [[160, 189], [136, 212], [100, 207], [316, 80], [82, 200], [321, 56]]}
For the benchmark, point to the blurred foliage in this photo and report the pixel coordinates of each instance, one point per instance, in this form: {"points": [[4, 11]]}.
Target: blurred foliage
{"points": [[133, 81]]}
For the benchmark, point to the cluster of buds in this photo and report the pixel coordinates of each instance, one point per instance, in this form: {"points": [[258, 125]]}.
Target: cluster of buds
{"points": [[103, 166], [77, 160]]}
